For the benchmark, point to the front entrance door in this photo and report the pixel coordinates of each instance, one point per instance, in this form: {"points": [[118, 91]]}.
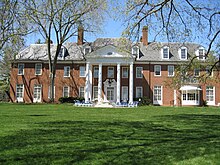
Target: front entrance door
{"points": [[110, 94]]}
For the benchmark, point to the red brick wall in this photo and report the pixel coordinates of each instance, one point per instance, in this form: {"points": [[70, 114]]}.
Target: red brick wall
{"points": [[29, 79]]}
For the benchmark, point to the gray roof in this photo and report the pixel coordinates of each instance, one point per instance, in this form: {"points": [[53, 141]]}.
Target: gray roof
{"points": [[39, 52], [151, 52]]}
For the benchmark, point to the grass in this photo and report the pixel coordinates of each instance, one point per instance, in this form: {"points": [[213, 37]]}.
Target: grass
{"points": [[64, 134]]}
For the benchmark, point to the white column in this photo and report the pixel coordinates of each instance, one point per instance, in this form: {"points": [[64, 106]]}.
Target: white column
{"points": [[118, 82], [131, 83], [87, 83], [90, 82], [100, 84]]}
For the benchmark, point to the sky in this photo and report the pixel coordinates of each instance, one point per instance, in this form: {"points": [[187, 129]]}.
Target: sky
{"points": [[111, 29]]}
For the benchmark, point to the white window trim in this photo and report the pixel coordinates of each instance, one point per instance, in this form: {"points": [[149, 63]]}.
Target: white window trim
{"points": [[113, 72], [158, 102], [62, 49], [20, 99], [139, 87], [94, 98], [197, 53], [211, 102], [123, 88], [133, 52], [35, 99], [37, 64], [94, 71], [188, 101], [68, 91], [19, 70], [180, 55], [155, 70], [141, 72], [168, 49], [54, 88], [80, 71], [83, 91], [195, 72], [122, 72], [64, 69], [169, 66], [87, 47]]}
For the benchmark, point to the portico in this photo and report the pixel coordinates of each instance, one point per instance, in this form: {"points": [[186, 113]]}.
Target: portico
{"points": [[109, 87]]}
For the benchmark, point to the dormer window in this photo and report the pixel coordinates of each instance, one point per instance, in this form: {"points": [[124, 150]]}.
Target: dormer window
{"points": [[61, 54], [201, 54], [87, 49], [165, 52], [135, 51], [183, 53]]}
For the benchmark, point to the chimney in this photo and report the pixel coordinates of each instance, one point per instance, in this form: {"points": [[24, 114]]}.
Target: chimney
{"points": [[145, 35], [80, 35]]}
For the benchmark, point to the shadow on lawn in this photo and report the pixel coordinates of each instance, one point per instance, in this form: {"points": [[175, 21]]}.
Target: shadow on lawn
{"points": [[180, 137]]}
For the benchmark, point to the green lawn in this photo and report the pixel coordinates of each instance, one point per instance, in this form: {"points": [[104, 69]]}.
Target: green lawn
{"points": [[64, 134]]}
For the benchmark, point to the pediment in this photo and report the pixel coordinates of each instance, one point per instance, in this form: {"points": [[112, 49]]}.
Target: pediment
{"points": [[108, 51]]}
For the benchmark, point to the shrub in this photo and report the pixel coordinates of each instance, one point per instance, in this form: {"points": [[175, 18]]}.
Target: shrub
{"points": [[70, 99], [143, 100]]}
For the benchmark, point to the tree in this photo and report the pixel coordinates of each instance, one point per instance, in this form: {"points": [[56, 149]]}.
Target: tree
{"points": [[180, 21], [12, 30], [9, 51], [176, 20], [12, 24], [61, 18]]}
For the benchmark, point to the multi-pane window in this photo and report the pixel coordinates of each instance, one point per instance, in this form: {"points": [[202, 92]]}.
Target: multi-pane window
{"points": [[139, 92], [81, 91], [157, 70], [209, 93], [54, 89], [66, 91], [110, 72], [19, 91], [125, 72], [87, 50], [61, 53], [20, 69], [165, 53], [82, 71], [201, 54], [157, 93], [139, 71], [95, 92], [38, 69], [37, 92], [170, 70], [96, 72], [135, 50], [124, 93], [183, 53], [66, 71], [196, 72]]}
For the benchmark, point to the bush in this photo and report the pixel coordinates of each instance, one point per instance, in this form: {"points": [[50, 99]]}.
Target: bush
{"points": [[143, 101], [70, 99]]}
